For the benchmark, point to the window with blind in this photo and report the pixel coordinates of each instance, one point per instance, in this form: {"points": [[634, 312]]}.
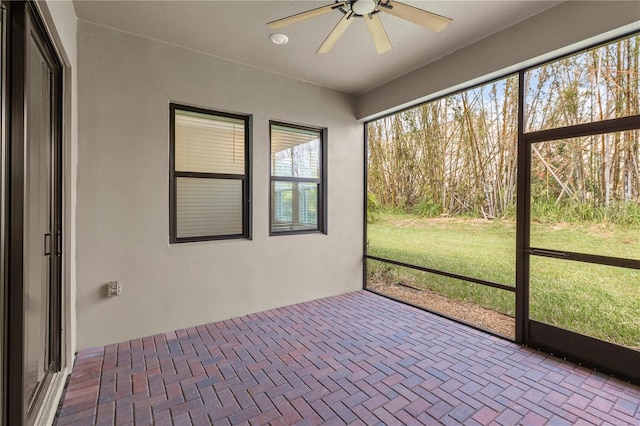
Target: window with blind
{"points": [[209, 175], [297, 179]]}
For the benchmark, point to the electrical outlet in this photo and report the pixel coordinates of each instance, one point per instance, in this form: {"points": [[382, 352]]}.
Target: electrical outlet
{"points": [[114, 289]]}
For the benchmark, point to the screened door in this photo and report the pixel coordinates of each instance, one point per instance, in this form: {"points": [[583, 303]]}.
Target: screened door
{"points": [[582, 212], [584, 278]]}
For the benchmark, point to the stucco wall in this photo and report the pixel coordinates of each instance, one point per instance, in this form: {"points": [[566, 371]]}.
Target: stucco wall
{"points": [[125, 86], [558, 30]]}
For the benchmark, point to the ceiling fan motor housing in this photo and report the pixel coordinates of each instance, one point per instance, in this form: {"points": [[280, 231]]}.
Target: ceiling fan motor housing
{"points": [[363, 7]]}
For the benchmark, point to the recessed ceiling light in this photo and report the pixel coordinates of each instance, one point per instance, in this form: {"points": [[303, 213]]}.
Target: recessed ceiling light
{"points": [[279, 39]]}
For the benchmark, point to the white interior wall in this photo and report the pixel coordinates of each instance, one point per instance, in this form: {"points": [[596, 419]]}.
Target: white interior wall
{"points": [[125, 85], [559, 30]]}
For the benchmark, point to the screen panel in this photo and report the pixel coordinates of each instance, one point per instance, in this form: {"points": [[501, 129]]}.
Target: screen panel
{"points": [[595, 85]]}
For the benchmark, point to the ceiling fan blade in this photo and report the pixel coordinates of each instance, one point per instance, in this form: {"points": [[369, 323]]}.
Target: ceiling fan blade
{"points": [[279, 23], [421, 17], [336, 33], [377, 33]]}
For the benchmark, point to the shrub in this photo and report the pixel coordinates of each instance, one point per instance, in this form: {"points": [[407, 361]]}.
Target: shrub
{"points": [[372, 207], [426, 208]]}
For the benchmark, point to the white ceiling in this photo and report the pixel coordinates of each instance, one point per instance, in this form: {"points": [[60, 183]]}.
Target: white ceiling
{"points": [[237, 31]]}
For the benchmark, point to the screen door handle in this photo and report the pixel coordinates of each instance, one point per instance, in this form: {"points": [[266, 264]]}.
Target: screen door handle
{"points": [[550, 253]]}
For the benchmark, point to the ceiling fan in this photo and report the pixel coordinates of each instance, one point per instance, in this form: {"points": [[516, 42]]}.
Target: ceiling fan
{"points": [[368, 10]]}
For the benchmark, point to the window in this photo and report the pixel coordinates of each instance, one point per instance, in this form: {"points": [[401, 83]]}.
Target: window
{"points": [[210, 185], [297, 179]]}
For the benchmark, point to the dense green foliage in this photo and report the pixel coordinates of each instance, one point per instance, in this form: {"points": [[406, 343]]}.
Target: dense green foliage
{"points": [[457, 156]]}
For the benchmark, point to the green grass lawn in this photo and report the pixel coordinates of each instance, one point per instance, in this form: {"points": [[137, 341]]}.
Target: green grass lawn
{"points": [[600, 301]]}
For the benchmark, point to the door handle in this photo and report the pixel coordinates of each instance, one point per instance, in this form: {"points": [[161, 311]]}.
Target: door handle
{"points": [[550, 253], [47, 244], [59, 243]]}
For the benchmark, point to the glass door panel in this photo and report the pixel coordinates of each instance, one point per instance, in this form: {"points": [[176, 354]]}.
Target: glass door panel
{"points": [[38, 219]]}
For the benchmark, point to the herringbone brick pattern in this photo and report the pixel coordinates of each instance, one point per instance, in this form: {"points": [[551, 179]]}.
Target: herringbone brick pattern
{"points": [[352, 359]]}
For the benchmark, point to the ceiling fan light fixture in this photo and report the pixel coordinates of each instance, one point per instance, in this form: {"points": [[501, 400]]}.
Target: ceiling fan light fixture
{"points": [[364, 7], [368, 10], [279, 39]]}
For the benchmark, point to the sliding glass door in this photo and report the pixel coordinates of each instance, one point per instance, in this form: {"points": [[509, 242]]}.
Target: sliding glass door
{"points": [[41, 214], [33, 189]]}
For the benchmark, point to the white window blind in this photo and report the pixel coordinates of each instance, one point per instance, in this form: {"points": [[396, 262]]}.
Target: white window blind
{"points": [[208, 207], [208, 144]]}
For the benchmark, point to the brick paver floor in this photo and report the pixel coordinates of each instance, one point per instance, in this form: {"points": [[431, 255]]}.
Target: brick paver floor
{"points": [[352, 359]]}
